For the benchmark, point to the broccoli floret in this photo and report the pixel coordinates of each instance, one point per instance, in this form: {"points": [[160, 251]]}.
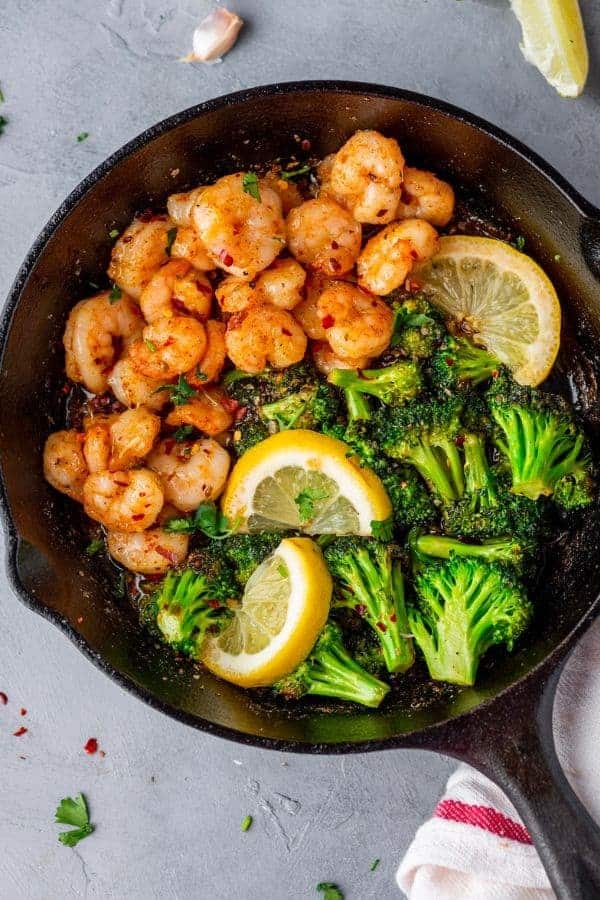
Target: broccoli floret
{"points": [[542, 444], [330, 671], [370, 582], [270, 385], [458, 362], [249, 431], [211, 562], [189, 606], [411, 501], [247, 551], [427, 435], [510, 549], [392, 385], [464, 607], [368, 653], [316, 406], [418, 329]]}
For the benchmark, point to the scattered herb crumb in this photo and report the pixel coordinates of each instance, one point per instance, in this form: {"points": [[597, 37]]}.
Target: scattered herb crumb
{"points": [[305, 501], [113, 233], [295, 173], [150, 345], [20, 731], [171, 235], [250, 185], [2, 98], [3, 122], [520, 243], [185, 431], [93, 285], [557, 257], [82, 136], [180, 392], [330, 891], [94, 547], [246, 823], [115, 294], [73, 812], [374, 864]]}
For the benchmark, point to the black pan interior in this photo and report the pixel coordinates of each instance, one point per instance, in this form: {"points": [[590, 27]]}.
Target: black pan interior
{"points": [[49, 566]]}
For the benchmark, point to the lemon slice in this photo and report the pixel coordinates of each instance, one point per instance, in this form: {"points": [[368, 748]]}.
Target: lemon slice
{"points": [[554, 42], [283, 610], [300, 480], [501, 298]]}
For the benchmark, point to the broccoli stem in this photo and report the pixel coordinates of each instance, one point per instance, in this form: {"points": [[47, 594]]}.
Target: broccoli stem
{"points": [[440, 466], [357, 404], [442, 547], [335, 674]]}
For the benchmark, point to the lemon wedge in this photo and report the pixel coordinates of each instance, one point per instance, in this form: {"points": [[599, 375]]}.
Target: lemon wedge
{"points": [[554, 41], [301, 480], [499, 297], [283, 610]]}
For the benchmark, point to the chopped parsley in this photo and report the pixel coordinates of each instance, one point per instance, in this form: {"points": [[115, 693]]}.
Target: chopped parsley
{"points": [[184, 432], [73, 812], [3, 122], [2, 98], [115, 294], [171, 235], [180, 392], [330, 891], [374, 864], [94, 547], [520, 243], [295, 173], [246, 823], [150, 345], [557, 257], [82, 136], [94, 286], [113, 233], [383, 530], [250, 185], [305, 501], [208, 520]]}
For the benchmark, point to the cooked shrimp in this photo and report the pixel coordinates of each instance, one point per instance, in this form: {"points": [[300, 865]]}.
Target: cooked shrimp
{"points": [[366, 176], [191, 472], [242, 235], [150, 552], [64, 464], [264, 334], [357, 323], [138, 253], [169, 347], [179, 206], [388, 257], [325, 359], [306, 311], [210, 411], [211, 365], [175, 289], [324, 236], [132, 389], [132, 435], [285, 189], [97, 442], [95, 330], [187, 245], [234, 294], [425, 196], [281, 284], [123, 501]]}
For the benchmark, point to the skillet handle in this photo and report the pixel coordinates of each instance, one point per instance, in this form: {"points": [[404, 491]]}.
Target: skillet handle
{"points": [[526, 767]]}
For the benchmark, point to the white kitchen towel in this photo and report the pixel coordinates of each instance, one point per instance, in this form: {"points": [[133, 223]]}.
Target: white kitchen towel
{"points": [[475, 847]]}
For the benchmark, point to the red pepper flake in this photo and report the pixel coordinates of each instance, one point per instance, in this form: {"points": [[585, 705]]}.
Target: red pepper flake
{"points": [[240, 413], [415, 286], [406, 197], [101, 753], [286, 332], [138, 517], [305, 145], [146, 215], [166, 554], [66, 389], [20, 731], [230, 404], [214, 604], [460, 440], [393, 617], [414, 254], [381, 626], [381, 213], [360, 609], [168, 447], [334, 245], [23, 711], [79, 620], [327, 321], [3, 698], [225, 258], [449, 361], [91, 746], [127, 239]]}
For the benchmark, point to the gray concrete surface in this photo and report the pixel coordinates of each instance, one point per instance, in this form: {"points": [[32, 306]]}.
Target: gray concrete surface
{"points": [[168, 801]]}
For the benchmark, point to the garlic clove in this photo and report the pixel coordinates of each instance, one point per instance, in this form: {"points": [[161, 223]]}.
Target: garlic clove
{"points": [[215, 35]]}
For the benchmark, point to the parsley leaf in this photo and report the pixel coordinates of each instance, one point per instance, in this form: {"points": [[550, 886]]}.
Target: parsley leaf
{"points": [[520, 243], [250, 185], [115, 294], [180, 392], [330, 891], [295, 173], [246, 823], [207, 519], [185, 431], [305, 501], [383, 530], [82, 136], [374, 864], [150, 345], [3, 122], [113, 233], [73, 812], [171, 235], [94, 547]]}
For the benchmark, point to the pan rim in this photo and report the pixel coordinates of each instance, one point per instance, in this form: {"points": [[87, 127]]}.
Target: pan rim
{"points": [[12, 540]]}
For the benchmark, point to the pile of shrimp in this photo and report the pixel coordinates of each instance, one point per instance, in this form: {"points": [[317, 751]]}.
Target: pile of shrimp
{"points": [[245, 272]]}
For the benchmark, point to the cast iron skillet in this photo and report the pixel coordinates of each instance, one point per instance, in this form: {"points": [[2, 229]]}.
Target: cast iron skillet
{"points": [[504, 725]]}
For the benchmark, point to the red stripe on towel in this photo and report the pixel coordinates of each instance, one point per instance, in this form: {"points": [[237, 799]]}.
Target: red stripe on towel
{"points": [[482, 817]]}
